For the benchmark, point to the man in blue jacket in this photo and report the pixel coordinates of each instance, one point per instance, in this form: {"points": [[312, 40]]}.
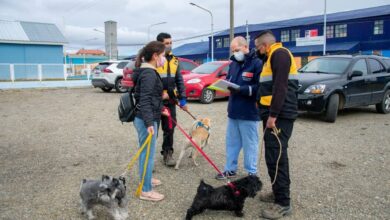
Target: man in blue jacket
{"points": [[243, 118]]}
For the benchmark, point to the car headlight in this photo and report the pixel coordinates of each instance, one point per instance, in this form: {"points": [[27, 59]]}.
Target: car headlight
{"points": [[316, 89], [194, 81]]}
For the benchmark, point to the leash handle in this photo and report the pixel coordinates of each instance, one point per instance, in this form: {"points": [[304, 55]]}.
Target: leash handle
{"points": [[197, 147]]}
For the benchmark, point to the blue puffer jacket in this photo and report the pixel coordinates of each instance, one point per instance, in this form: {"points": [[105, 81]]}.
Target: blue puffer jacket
{"points": [[246, 74]]}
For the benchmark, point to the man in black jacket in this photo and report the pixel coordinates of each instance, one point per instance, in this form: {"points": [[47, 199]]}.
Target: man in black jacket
{"points": [[174, 92], [277, 100]]}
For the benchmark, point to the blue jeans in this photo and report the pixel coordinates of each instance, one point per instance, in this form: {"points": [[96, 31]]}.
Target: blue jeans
{"points": [[142, 135], [242, 134]]}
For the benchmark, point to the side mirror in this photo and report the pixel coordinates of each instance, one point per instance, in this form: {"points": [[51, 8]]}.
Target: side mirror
{"points": [[221, 74], [183, 72], [356, 73]]}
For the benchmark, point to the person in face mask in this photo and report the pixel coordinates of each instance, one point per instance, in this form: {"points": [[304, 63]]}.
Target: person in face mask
{"points": [[243, 117], [148, 95], [174, 92]]}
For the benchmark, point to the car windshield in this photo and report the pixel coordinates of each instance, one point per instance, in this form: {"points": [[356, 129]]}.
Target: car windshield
{"points": [[207, 68], [326, 65]]}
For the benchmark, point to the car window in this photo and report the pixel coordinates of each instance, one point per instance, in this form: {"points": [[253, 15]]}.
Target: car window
{"points": [[225, 69], [130, 65], [122, 65], [326, 65], [360, 65], [375, 66], [207, 68], [102, 66], [185, 65]]}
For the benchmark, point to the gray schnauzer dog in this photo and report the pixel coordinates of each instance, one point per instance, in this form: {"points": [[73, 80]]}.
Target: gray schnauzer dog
{"points": [[109, 192]]}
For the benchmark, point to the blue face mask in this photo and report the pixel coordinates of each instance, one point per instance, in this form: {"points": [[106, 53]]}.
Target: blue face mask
{"points": [[239, 56]]}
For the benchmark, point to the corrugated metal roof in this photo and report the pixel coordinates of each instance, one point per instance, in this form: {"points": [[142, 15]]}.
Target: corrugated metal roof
{"points": [[192, 49], [30, 32], [10, 30], [333, 17]]}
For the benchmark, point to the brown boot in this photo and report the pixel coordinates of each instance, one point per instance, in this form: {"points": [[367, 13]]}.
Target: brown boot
{"points": [[170, 162]]}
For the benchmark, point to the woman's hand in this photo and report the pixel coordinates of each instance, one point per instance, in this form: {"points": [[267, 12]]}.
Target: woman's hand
{"points": [[151, 130]]}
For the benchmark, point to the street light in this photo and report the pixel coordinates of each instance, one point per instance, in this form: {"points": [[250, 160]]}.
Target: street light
{"points": [[212, 28], [152, 25], [97, 30]]}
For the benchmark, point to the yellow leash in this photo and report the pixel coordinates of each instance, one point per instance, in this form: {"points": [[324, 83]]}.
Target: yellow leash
{"points": [[147, 142], [275, 132]]}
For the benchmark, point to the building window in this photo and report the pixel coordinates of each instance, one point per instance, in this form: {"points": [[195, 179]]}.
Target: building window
{"points": [[295, 34], [378, 27], [285, 36], [226, 42], [330, 31], [219, 42], [340, 30]]}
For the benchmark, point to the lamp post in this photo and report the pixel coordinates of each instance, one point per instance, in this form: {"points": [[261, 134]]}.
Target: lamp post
{"points": [[152, 25], [212, 28]]}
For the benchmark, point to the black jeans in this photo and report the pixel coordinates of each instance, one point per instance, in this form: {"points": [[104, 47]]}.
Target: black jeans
{"points": [[165, 125], [281, 188]]}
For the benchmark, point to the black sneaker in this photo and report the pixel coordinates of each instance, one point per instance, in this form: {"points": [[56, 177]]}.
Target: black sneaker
{"points": [[276, 211], [226, 174]]}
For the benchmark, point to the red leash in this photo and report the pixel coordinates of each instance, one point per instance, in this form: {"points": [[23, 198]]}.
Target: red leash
{"points": [[196, 146]]}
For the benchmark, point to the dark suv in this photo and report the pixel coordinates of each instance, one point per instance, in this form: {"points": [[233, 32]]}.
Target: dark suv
{"points": [[332, 83]]}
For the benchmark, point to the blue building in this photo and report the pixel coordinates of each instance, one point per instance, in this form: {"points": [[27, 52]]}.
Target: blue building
{"points": [[197, 51], [364, 31], [24, 45]]}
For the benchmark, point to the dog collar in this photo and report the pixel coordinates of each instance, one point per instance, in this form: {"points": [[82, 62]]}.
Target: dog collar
{"points": [[234, 188], [200, 124]]}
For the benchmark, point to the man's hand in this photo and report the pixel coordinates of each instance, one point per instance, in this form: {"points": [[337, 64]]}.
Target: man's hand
{"points": [[271, 122], [165, 96], [165, 112], [233, 90]]}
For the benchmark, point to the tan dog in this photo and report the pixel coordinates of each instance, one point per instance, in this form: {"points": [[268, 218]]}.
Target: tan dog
{"points": [[200, 133]]}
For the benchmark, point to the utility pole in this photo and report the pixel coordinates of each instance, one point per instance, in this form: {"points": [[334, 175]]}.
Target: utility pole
{"points": [[231, 23], [324, 52]]}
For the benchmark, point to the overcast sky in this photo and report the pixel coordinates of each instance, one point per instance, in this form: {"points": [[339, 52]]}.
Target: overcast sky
{"points": [[78, 18]]}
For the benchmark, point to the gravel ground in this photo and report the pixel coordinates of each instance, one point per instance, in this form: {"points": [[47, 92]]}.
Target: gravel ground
{"points": [[51, 139]]}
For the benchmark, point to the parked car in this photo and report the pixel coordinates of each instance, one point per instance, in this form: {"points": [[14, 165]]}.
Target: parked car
{"points": [[201, 77], [331, 83], [108, 75], [127, 82]]}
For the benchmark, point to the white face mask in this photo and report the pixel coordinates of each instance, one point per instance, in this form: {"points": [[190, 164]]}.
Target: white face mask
{"points": [[240, 56]]}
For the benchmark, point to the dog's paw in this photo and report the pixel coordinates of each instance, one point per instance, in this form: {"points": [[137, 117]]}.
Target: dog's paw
{"points": [[239, 213], [176, 168]]}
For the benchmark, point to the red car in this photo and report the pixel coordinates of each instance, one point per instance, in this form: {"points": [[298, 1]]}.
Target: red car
{"points": [[201, 77], [186, 65]]}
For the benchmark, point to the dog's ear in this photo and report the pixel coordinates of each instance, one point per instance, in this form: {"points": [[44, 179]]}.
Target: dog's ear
{"points": [[105, 177], [202, 182], [123, 179]]}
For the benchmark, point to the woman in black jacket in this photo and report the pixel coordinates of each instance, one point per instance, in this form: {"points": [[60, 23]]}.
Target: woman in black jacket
{"points": [[148, 94]]}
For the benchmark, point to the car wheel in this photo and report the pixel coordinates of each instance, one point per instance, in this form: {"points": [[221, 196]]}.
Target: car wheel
{"points": [[118, 86], [332, 108], [384, 106], [207, 96], [106, 89]]}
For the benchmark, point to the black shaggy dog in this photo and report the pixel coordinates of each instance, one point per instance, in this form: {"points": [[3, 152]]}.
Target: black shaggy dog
{"points": [[229, 197]]}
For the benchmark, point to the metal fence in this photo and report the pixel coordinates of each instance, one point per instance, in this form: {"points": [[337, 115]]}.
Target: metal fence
{"points": [[44, 72]]}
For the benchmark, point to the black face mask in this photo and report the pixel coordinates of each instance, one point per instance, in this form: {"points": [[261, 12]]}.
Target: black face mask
{"points": [[262, 57]]}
